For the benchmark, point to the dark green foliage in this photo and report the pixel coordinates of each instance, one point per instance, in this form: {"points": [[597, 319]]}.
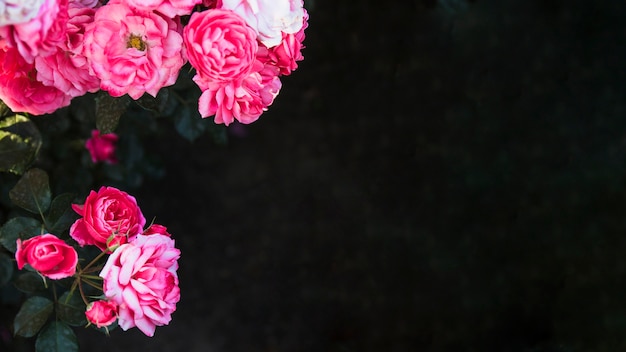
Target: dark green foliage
{"points": [[32, 316], [56, 337]]}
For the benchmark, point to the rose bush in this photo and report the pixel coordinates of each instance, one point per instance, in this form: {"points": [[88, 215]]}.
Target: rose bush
{"points": [[49, 255], [103, 69]]}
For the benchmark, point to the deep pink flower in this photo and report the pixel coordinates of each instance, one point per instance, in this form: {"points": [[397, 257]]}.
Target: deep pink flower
{"points": [[101, 313], [269, 18], [21, 91], [110, 217], [244, 100], [169, 8], [40, 35], [286, 54], [101, 147], [133, 52], [156, 229], [140, 277], [212, 3], [48, 254], [220, 46]]}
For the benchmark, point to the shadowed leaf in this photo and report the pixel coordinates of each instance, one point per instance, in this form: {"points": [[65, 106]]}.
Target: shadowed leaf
{"points": [[6, 269], [32, 192], [71, 309], [108, 111], [32, 316], [20, 227], [61, 215], [29, 282], [56, 337]]}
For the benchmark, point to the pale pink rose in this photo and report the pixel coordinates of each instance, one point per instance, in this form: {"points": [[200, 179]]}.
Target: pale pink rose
{"points": [[219, 45], [40, 35], [286, 54], [101, 313], [109, 217], [133, 52], [21, 92], [101, 147], [269, 18], [169, 8], [67, 68], [244, 100], [140, 277], [48, 254], [18, 11]]}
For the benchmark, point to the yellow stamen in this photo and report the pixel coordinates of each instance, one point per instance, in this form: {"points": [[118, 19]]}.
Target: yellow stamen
{"points": [[135, 42]]}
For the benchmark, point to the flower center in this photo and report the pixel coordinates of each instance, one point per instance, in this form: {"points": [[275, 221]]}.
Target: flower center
{"points": [[135, 42]]}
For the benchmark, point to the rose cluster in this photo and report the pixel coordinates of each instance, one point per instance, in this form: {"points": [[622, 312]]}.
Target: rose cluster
{"points": [[54, 50], [139, 278]]}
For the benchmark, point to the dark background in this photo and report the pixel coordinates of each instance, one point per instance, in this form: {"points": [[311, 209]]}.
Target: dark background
{"points": [[436, 176]]}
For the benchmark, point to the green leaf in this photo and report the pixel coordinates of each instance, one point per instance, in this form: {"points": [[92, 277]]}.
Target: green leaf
{"points": [[29, 282], [189, 123], [32, 316], [71, 309], [61, 215], [108, 111], [32, 191], [156, 105], [20, 227], [20, 142], [4, 109], [6, 268], [56, 337]]}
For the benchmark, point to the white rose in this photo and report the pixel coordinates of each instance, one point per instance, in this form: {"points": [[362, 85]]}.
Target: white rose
{"points": [[270, 18], [18, 11]]}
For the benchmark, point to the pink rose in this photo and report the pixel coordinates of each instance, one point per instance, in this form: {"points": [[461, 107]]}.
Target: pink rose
{"points": [[49, 255], [40, 35], [67, 68], [287, 53], [110, 217], [133, 52], [21, 92], [140, 277], [102, 147], [269, 18], [244, 100], [169, 8], [220, 46], [101, 313]]}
